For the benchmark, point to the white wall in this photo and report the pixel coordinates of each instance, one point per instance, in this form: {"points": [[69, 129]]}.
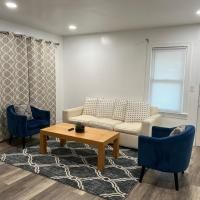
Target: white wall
{"points": [[114, 64], [104, 65], [16, 28]]}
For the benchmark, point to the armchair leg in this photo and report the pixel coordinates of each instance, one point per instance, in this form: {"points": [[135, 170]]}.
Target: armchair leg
{"points": [[142, 174], [24, 142], [10, 139], [176, 181]]}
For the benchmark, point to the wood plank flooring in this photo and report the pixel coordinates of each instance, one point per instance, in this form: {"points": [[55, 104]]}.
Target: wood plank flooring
{"points": [[18, 184]]}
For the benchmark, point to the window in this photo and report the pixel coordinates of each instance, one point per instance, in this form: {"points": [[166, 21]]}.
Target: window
{"points": [[167, 78]]}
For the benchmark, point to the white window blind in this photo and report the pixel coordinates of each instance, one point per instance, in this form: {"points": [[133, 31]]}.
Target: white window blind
{"points": [[167, 78]]}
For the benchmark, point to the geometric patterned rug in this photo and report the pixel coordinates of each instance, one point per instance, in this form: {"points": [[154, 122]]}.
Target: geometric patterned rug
{"points": [[75, 165]]}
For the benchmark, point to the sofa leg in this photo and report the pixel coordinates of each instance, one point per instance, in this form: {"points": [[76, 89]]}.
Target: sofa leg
{"points": [[24, 142], [176, 181], [142, 174], [10, 139]]}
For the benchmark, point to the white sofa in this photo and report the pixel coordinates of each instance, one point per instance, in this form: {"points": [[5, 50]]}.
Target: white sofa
{"points": [[118, 115]]}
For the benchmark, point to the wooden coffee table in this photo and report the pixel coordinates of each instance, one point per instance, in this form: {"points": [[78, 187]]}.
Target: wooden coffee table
{"points": [[94, 136]]}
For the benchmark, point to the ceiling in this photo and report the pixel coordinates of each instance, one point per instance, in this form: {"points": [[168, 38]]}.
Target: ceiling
{"points": [[92, 16]]}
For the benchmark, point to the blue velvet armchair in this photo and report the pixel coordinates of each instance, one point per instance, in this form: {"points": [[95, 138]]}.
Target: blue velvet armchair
{"points": [[166, 153], [19, 126]]}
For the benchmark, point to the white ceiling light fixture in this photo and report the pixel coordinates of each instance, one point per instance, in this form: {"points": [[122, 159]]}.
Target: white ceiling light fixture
{"points": [[72, 27], [11, 4], [198, 12]]}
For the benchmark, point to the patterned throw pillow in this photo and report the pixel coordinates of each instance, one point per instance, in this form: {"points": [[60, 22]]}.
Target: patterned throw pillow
{"points": [[178, 130], [137, 111], [24, 110], [120, 109], [90, 106], [105, 108]]}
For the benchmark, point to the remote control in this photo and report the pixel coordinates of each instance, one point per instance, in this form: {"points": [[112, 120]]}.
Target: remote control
{"points": [[70, 129]]}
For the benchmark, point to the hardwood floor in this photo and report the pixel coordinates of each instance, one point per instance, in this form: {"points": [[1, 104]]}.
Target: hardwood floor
{"points": [[18, 184]]}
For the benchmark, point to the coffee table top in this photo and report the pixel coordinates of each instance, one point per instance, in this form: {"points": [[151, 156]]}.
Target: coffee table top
{"points": [[91, 134]]}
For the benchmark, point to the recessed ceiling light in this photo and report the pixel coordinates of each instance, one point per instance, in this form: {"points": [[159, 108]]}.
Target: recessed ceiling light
{"points": [[72, 27], [198, 12], [11, 4]]}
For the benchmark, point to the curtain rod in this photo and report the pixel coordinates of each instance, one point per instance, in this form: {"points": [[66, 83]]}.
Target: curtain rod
{"points": [[28, 37]]}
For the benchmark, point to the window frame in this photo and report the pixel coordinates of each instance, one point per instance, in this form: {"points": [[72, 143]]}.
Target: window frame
{"points": [[185, 82]]}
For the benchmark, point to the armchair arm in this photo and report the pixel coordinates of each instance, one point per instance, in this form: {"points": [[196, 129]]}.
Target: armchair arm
{"points": [[17, 124], [168, 154], [72, 113], [40, 114], [148, 123]]}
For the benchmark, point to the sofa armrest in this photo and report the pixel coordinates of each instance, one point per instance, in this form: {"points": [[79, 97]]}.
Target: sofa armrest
{"points": [[73, 112], [148, 123]]}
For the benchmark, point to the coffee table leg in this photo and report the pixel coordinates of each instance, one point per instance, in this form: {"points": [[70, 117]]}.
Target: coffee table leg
{"points": [[43, 143], [101, 156], [116, 148], [62, 142]]}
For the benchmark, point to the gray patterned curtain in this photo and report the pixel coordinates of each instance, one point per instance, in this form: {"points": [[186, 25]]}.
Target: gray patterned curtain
{"points": [[27, 75], [42, 79], [13, 75]]}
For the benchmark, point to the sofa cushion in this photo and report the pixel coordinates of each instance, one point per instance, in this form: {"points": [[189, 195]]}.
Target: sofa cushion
{"points": [[105, 108], [90, 106], [129, 128], [120, 109], [82, 118], [137, 111], [104, 123]]}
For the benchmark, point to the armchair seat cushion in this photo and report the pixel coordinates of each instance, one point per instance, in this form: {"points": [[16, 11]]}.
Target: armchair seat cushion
{"points": [[37, 124], [104, 123], [133, 128]]}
